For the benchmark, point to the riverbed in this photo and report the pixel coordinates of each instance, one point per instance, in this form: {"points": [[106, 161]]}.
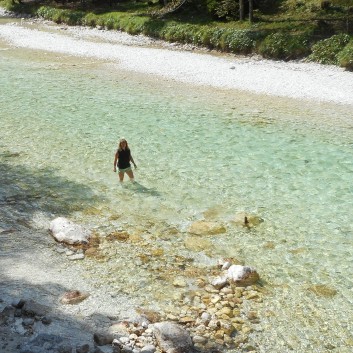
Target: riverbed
{"points": [[213, 137]]}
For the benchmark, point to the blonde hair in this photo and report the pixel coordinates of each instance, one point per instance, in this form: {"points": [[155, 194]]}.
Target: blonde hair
{"points": [[120, 142]]}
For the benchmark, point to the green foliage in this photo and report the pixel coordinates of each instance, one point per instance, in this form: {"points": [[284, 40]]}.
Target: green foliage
{"points": [[241, 41], [153, 28], [90, 20], [326, 51], [211, 6], [16, 6], [215, 37], [228, 9], [60, 16], [284, 46], [202, 37], [345, 57], [47, 12]]}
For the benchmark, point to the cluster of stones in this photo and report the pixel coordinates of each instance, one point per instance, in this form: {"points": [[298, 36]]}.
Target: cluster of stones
{"points": [[210, 319], [28, 318], [24, 314], [214, 315], [144, 337], [215, 318]]}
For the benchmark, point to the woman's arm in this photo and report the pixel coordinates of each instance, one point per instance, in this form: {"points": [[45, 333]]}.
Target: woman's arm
{"points": [[132, 160], [116, 160]]}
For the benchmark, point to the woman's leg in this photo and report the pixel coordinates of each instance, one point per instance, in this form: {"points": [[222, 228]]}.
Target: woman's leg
{"points": [[121, 176], [130, 174]]}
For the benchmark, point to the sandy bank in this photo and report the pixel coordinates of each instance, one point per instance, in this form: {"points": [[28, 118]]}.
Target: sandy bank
{"points": [[136, 53]]}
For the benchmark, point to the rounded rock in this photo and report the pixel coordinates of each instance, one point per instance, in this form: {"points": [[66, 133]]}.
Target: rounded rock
{"points": [[84, 348], [148, 349]]}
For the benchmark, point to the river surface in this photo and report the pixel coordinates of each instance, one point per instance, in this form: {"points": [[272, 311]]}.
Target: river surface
{"points": [[202, 153]]}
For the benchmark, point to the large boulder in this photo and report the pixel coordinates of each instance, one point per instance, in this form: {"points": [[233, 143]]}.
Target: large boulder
{"points": [[242, 275], [172, 338], [206, 228], [66, 231]]}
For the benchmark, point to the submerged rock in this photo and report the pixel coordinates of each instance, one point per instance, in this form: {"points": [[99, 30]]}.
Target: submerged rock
{"points": [[207, 228], [118, 235], [66, 231], [195, 243], [323, 290], [151, 315], [247, 220]]}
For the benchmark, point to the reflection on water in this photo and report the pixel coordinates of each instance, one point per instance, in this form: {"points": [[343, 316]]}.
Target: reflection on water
{"points": [[202, 154]]}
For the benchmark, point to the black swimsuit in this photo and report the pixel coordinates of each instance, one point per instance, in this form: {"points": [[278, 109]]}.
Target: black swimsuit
{"points": [[124, 159]]}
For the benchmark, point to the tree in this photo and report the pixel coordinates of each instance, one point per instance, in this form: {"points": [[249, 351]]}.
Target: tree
{"points": [[251, 10], [346, 4], [241, 10]]}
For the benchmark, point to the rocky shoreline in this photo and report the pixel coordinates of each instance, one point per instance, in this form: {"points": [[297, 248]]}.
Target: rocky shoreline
{"points": [[214, 314]]}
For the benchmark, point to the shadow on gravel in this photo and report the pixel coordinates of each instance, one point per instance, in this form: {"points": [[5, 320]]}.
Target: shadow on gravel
{"points": [[25, 192], [32, 319]]}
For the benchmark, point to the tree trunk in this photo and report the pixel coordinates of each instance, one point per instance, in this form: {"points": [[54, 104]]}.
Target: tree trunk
{"points": [[241, 10], [251, 10]]}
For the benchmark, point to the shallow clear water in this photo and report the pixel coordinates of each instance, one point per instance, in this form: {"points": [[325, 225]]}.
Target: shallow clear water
{"points": [[197, 150]]}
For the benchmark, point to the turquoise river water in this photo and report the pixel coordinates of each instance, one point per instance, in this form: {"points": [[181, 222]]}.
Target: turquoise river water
{"points": [[199, 151]]}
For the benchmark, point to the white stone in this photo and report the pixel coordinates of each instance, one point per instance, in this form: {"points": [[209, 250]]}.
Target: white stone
{"points": [[199, 339], [76, 257], [205, 317], [179, 282], [219, 281], [242, 274], [124, 340], [148, 349], [66, 231], [226, 265]]}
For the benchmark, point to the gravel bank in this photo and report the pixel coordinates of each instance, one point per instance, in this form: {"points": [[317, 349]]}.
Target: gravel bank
{"points": [[140, 54]]}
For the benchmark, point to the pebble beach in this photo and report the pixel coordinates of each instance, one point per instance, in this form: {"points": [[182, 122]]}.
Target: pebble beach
{"points": [[298, 80]]}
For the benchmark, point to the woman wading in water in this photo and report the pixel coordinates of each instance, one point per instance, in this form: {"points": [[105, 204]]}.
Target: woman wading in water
{"points": [[123, 158]]}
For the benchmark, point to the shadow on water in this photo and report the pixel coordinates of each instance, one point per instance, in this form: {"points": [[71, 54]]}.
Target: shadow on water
{"points": [[27, 259], [26, 191], [31, 269], [139, 188]]}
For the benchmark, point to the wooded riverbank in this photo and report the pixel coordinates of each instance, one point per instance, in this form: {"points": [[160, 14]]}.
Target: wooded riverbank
{"points": [[322, 35]]}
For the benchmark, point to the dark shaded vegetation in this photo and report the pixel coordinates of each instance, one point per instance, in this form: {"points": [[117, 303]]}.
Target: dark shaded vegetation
{"points": [[276, 29]]}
